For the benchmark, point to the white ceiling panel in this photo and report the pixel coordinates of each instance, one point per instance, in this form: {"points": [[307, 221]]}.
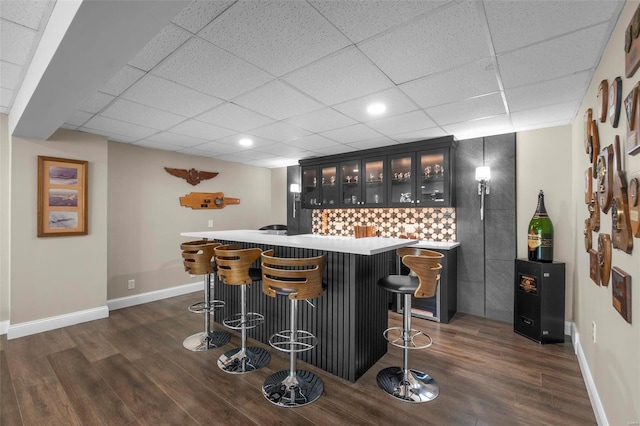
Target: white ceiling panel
{"points": [[104, 126], [558, 91], [234, 140], [167, 40], [147, 143], [484, 127], [408, 122], [79, 118], [453, 36], [560, 56], [468, 109], [517, 24], [312, 142], [209, 69], [361, 19], [373, 143], [169, 96], [201, 130], [321, 120], [334, 149], [278, 101], [16, 42], [6, 95], [199, 13], [9, 75], [355, 133], [234, 117], [143, 115], [96, 102], [418, 135], [175, 139], [340, 77], [273, 162], [196, 151], [555, 113], [395, 101], [122, 80], [279, 132], [253, 32], [474, 79], [282, 149], [241, 156], [217, 148], [26, 13]]}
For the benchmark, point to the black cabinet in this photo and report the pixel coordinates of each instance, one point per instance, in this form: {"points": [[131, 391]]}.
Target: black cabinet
{"points": [[539, 300]]}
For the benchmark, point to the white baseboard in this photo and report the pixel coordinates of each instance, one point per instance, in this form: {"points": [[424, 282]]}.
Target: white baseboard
{"points": [[568, 326], [4, 326], [594, 397], [152, 296], [45, 324]]}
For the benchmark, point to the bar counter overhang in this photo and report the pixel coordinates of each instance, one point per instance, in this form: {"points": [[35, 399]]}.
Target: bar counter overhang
{"points": [[351, 315]]}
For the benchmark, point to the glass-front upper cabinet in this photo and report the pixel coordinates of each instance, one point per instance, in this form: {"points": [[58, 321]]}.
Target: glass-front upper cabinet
{"points": [[434, 178], [402, 192], [350, 184], [375, 194], [310, 196], [329, 191]]}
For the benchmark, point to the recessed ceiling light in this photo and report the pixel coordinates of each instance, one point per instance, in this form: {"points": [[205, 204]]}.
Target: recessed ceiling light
{"points": [[245, 142], [376, 109]]}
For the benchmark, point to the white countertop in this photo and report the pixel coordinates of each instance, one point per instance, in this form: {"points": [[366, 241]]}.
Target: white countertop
{"points": [[366, 246], [442, 245]]}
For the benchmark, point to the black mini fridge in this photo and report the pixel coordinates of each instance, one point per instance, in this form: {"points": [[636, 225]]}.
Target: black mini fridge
{"points": [[539, 301]]}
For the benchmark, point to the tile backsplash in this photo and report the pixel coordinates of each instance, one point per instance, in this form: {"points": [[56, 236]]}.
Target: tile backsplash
{"points": [[435, 224]]}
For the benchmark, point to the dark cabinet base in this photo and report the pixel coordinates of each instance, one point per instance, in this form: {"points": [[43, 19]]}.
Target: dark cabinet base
{"points": [[539, 301]]}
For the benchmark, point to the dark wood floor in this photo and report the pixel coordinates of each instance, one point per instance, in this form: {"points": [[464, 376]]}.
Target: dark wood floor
{"points": [[131, 369]]}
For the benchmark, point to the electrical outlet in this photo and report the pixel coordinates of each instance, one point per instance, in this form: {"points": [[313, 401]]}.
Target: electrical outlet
{"points": [[593, 331], [210, 223], [132, 284]]}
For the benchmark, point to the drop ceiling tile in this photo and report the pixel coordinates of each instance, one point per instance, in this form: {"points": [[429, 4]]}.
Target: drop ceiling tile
{"points": [[165, 42], [175, 139], [453, 36], [484, 127], [373, 143], [279, 132], [103, 125], [340, 77], [271, 163], [234, 117], [277, 36], [16, 42], [517, 24], [278, 101], [234, 140], [465, 82], [302, 155], [541, 125], [355, 133], [334, 149], [200, 130], [197, 14], [395, 101], [312, 142], [79, 118], [169, 96], [143, 115], [118, 138], [469, 109], [122, 80], [561, 56], [242, 156], [4, 109], [158, 145], [560, 90], [564, 112], [406, 122], [195, 151], [362, 19], [9, 75], [26, 13], [6, 97], [282, 149], [418, 135], [217, 148], [96, 102], [321, 120], [209, 69]]}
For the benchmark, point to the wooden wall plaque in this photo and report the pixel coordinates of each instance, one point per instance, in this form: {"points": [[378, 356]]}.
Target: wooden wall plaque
{"points": [[588, 235], [634, 206], [633, 120], [594, 213], [595, 146], [604, 258], [207, 200], [588, 186], [621, 292], [588, 118], [594, 268], [615, 101], [632, 45], [604, 167], [603, 100], [620, 226]]}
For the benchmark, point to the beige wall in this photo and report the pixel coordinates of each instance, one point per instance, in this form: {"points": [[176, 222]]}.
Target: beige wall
{"points": [[57, 275], [542, 163], [5, 228], [146, 219], [614, 359]]}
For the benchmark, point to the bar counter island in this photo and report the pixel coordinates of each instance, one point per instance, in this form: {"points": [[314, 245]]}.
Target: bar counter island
{"points": [[351, 315]]}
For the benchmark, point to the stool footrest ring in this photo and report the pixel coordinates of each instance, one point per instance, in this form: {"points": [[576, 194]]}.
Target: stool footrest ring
{"points": [[250, 320], [201, 307], [414, 339], [303, 341]]}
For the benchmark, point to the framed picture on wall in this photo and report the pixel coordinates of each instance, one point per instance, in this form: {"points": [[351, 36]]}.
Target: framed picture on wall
{"points": [[62, 197], [621, 292]]}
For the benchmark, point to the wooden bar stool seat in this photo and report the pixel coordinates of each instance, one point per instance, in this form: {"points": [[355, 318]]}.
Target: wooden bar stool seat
{"points": [[197, 257], [296, 279], [401, 382], [234, 268]]}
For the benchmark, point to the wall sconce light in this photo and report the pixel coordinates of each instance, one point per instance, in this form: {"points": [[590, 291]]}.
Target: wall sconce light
{"points": [[294, 188], [483, 176]]}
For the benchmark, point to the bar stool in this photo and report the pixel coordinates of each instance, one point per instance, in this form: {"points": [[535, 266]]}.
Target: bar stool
{"points": [[197, 257], [234, 268], [297, 279], [401, 382]]}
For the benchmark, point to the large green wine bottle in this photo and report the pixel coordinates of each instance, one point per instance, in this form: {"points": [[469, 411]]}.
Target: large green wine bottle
{"points": [[540, 238]]}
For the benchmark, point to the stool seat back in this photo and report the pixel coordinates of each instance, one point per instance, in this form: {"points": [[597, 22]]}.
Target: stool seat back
{"points": [[425, 264], [300, 278], [197, 256], [233, 263]]}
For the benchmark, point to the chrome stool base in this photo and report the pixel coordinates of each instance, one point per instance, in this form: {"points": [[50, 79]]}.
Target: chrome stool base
{"points": [[415, 387], [285, 390], [238, 361], [202, 341], [201, 307]]}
